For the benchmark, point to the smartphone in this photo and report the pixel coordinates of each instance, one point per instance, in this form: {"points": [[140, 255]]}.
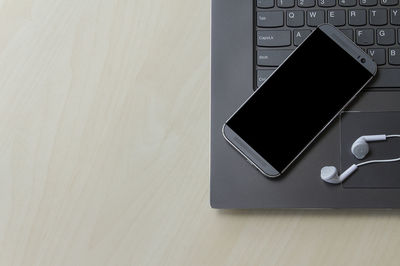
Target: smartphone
{"points": [[276, 124]]}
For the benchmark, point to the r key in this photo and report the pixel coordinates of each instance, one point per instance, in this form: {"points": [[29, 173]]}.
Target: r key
{"points": [[357, 17]]}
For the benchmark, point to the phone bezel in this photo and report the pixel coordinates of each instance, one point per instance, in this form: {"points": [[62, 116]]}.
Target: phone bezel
{"points": [[256, 159]]}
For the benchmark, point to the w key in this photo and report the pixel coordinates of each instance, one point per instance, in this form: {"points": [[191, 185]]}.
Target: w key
{"points": [[273, 38]]}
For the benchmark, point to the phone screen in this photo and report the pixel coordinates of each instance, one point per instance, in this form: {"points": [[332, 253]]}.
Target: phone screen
{"points": [[283, 116]]}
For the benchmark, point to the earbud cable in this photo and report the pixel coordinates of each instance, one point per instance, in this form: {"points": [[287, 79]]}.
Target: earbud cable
{"points": [[379, 161], [382, 161]]}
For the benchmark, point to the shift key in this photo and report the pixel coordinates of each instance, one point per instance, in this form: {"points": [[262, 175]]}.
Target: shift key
{"points": [[273, 57]]}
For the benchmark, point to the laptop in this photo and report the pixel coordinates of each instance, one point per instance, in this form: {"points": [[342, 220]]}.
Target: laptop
{"points": [[251, 38]]}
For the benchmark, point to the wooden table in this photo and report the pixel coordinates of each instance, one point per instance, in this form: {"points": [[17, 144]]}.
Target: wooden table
{"points": [[105, 109]]}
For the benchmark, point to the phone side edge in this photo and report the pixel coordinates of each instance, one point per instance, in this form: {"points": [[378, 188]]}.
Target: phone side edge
{"points": [[248, 152]]}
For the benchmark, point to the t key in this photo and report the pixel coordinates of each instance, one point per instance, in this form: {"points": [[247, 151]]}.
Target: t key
{"points": [[378, 16]]}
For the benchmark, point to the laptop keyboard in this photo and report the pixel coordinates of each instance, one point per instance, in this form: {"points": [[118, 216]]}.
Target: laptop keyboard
{"points": [[374, 25]]}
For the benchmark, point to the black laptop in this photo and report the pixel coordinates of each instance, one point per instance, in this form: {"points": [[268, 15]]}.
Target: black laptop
{"points": [[251, 38]]}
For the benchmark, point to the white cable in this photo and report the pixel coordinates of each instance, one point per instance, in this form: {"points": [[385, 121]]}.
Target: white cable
{"points": [[393, 136], [379, 161], [382, 161]]}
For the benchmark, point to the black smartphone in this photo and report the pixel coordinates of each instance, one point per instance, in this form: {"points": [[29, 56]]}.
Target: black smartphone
{"points": [[299, 100]]}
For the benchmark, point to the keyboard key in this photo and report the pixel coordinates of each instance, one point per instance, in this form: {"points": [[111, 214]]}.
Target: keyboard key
{"points": [[347, 2], [365, 37], [295, 18], [378, 55], [395, 16], [394, 56], [368, 2], [315, 17], [389, 2], [385, 36], [285, 3], [348, 33], [398, 34], [357, 17], [262, 75], [265, 3], [272, 57], [299, 36], [337, 17], [270, 19], [306, 3], [273, 38], [378, 17], [326, 3]]}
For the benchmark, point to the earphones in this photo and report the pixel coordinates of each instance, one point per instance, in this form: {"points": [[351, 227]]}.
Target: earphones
{"points": [[359, 149]]}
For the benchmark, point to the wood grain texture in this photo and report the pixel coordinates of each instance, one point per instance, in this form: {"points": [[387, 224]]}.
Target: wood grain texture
{"points": [[104, 149]]}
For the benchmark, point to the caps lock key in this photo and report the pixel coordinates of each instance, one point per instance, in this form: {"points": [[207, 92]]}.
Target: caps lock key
{"points": [[273, 38]]}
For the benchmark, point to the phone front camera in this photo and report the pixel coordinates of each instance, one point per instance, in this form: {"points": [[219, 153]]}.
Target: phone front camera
{"points": [[363, 60]]}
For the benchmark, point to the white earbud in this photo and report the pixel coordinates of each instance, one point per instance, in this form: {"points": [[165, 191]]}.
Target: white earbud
{"points": [[360, 147], [330, 174], [360, 150]]}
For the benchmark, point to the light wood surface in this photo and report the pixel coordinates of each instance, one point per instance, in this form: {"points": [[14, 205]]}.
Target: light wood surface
{"points": [[104, 149]]}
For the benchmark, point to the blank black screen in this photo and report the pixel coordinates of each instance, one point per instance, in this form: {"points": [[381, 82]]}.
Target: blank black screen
{"points": [[298, 100]]}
